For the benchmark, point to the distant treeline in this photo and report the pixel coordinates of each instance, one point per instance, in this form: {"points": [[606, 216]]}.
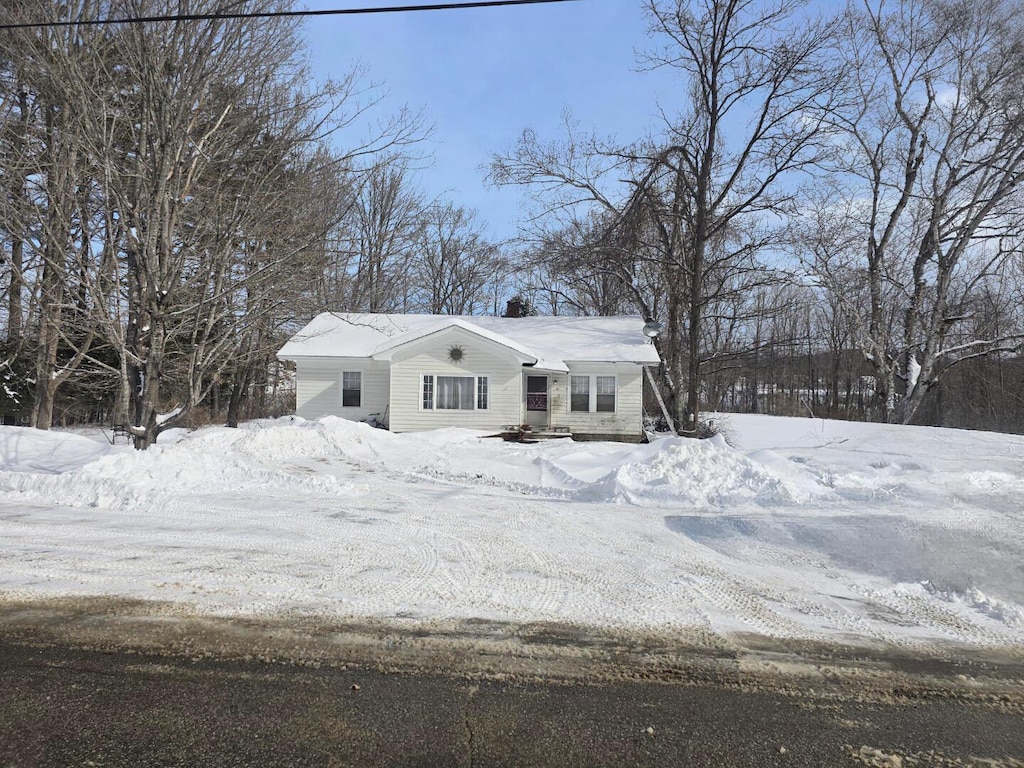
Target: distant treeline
{"points": [[984, 393]]}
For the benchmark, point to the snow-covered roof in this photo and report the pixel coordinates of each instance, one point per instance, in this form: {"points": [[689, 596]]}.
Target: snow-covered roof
{"points": [[396, 342], [546, 342]]}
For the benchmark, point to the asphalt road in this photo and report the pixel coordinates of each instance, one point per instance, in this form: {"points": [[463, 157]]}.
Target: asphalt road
{"points": [[69, 699]]}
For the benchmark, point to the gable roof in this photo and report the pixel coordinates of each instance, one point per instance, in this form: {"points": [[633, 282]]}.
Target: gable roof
{"points": [[429, 329], [548, 342]]}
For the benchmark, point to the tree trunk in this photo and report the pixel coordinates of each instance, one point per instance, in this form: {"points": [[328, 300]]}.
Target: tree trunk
{"points": [[17, 284], [239, 387], [146, 423]]}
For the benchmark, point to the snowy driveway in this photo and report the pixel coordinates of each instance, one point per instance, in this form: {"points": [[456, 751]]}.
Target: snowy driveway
{"points": [[807, 529]]}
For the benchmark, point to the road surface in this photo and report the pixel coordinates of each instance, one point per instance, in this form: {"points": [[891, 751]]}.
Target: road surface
{"points": [[103, 683]]}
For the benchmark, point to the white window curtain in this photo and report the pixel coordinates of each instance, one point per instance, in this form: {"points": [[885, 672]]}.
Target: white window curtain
{"points": [[592, 393], [580, 393], [455, 393], [606, 393]]}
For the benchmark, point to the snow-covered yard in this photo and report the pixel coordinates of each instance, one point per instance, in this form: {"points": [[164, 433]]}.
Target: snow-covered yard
{"points": [[806, 528]]}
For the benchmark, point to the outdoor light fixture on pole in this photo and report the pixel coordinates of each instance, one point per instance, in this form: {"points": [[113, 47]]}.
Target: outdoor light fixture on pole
{"points": [[651, 330]]}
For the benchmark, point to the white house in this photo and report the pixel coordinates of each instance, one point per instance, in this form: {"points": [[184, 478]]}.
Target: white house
{"points": [[583, 375]]}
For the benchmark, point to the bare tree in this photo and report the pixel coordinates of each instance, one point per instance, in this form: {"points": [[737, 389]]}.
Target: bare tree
{"points": [[453, 261], [377, 244], [707, 198], [928, 156], [178, 165], [52, 194]]}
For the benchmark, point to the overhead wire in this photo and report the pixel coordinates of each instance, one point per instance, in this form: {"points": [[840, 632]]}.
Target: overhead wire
{"points": [[278, 14]]}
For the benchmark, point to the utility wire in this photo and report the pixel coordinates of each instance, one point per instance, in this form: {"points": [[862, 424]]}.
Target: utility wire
{"points": [[278, 14]]}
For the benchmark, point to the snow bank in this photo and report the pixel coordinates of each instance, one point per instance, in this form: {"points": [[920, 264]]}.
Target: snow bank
{"points": [[806, 528], [47, 452], [679, 471], [83, 473], [672, 472]]}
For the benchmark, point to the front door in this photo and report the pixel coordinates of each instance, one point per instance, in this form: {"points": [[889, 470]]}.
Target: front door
{"points": [[537, 401]]}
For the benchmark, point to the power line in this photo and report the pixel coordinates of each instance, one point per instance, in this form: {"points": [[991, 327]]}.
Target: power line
{"points": [[279, 14]]}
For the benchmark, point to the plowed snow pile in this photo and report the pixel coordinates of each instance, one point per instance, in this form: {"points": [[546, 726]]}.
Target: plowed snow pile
{"points": [[704, 473], [806, 528]]}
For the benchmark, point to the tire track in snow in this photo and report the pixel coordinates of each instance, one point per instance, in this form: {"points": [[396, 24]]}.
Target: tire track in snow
{"points": [[373, 537], [927, 611]]}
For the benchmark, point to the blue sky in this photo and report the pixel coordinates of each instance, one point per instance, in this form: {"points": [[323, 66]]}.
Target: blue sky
{"points": [[481, 76]]}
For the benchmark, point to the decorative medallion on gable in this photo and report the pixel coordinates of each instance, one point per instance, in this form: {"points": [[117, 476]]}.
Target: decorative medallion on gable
{"points": [[456, 353]]}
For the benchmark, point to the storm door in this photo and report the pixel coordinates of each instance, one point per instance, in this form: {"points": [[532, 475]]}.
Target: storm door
{"points": [[537, 401]]}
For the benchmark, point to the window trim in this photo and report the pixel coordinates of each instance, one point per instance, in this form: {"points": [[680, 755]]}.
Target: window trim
{"points": [[597, 393], [424, 396], [592, 392], [341, 387], [483, 393], [478, 381]]}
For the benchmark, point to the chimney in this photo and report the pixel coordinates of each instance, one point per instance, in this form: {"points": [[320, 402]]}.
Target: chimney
{"points": [[514, 308]]}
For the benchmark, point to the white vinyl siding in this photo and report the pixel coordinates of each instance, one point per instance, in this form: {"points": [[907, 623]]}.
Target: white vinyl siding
{"points": [[614, 393], [496, 370], [318, 387]]}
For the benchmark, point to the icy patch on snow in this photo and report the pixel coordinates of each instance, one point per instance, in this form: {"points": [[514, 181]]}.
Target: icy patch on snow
{"points": [[895, 548]]}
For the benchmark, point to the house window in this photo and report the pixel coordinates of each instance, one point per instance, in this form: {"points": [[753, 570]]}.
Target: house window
{"points": [[605, 393], [455, 393], [481, 393], [428, 393], [589, 394], [351, 389], [579, 397]]}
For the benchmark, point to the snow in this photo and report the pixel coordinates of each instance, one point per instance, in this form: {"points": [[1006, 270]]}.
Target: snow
{"points": [[821, 530], [39, 452], [913, 374], [437, 324], [550, 341], [163, 418]]}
